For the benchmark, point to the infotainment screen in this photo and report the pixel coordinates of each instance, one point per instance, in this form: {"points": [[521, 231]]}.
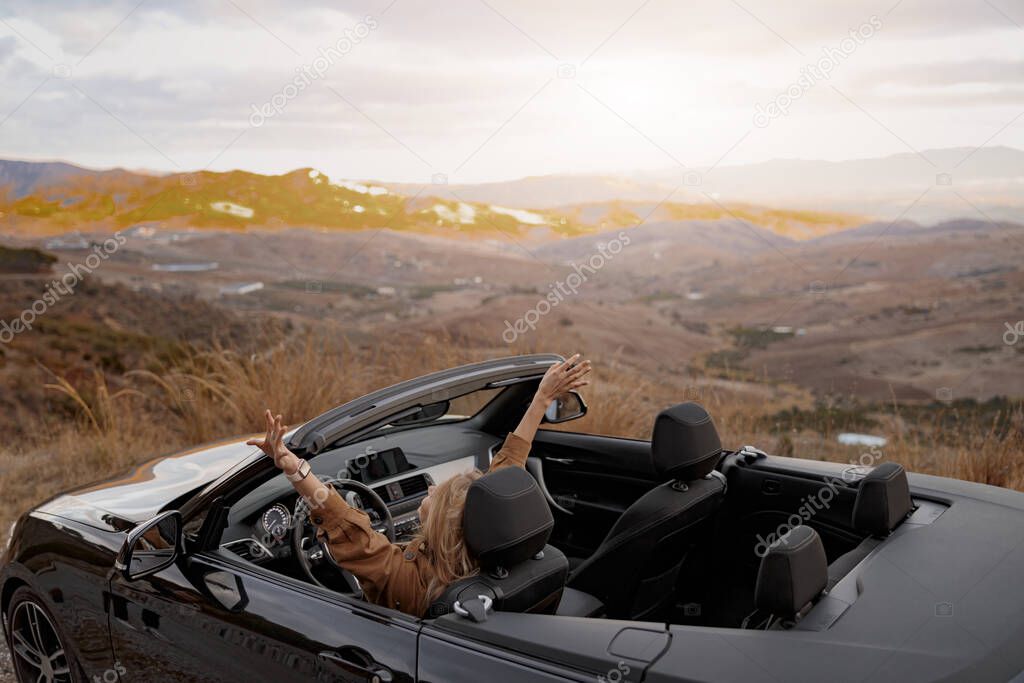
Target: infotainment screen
{"points": [[376, 465]]}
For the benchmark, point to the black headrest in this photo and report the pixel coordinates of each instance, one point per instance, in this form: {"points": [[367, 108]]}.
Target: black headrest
{"points": [[685, 443], [506, 520], [793, 572], [883, 500]]}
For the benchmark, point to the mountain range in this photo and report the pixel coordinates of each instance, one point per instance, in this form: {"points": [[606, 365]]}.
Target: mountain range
{"points": [[797, 199], [989, 178]]}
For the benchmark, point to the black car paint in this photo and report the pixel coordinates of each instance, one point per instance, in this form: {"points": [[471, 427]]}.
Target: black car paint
{"points": [[891, 632], [279, 630], [67, 564], [147, 489], [541, 648]]}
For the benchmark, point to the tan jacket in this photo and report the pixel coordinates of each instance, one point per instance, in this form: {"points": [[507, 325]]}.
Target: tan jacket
{"points": [[392, 575]]}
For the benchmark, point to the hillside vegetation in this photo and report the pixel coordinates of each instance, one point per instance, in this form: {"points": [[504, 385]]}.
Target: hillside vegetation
{"points": [[237, 200], [24, 260]]}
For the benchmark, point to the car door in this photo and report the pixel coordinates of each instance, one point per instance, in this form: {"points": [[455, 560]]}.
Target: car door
{"points": [[213, 617], [538, 648], [591, 481]]}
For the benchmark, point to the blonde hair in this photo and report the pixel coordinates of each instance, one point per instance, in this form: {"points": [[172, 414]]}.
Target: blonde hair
{"points": [[441, 538]]}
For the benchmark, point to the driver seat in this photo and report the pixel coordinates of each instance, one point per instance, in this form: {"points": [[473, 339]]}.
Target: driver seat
{"points": [[506, 524]]}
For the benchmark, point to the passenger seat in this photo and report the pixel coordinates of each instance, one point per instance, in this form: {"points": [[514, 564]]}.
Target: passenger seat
{"points": [[634, 570]]}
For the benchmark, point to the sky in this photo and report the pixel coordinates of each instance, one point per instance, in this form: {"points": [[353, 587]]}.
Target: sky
{"points": [[486, 90]]}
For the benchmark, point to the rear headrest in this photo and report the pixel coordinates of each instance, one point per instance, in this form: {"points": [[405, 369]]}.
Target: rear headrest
{"points": [[793, 572], [883, 500], [685, 443], [506, 519]]}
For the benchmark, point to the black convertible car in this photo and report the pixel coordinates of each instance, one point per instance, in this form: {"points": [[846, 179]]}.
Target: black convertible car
{"points": [[665, 560]]}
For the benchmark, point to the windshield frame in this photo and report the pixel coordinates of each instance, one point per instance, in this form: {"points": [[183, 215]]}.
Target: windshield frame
{"points": [[385, 427]]}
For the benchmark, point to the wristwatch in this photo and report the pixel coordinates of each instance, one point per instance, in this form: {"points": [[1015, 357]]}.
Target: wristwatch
{"points": [[299, 474]]}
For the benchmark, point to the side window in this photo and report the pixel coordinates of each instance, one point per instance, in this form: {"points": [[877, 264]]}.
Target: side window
{"points": [[627, 417]]}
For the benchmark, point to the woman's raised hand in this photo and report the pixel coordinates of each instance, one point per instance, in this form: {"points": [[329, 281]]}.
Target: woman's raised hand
{"points": [[273, 443], [562, 377]]}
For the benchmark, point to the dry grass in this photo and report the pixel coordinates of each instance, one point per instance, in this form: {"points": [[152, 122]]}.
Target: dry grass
{"points": [[206, 396], [112, 433], [212, 394]]}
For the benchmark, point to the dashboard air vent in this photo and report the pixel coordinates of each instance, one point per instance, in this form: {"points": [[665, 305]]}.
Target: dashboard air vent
{"points": [[414, 486]]}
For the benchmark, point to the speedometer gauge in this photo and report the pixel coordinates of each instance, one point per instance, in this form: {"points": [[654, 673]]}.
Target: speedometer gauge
{"points": [[276, 521]]}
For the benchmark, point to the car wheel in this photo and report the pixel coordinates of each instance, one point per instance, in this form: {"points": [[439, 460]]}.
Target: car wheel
{"points": [[38, 649]]}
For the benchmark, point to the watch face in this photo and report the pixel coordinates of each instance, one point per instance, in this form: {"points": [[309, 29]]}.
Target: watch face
{"points": [[301, 472]]}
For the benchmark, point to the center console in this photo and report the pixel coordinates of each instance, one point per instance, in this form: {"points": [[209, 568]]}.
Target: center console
{"points": [[403, 498]]}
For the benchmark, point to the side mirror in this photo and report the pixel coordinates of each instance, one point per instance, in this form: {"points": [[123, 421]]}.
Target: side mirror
{"points": [[568, 406], [151, 546]]}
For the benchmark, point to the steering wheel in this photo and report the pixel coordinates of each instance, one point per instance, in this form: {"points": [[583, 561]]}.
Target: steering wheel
{"points": [[312, 552]]}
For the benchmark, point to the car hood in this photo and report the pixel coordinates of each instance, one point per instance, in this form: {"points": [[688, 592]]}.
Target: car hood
{"points": [[138, 495]]}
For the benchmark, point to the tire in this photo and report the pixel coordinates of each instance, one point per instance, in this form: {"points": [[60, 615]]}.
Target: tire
{"points": [[32, 630]]}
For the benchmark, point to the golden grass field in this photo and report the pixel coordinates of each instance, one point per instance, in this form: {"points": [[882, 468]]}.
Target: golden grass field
{"points": [[206, 395]]}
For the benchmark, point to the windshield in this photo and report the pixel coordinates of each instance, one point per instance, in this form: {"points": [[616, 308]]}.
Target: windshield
{"points": [[454, 410]]}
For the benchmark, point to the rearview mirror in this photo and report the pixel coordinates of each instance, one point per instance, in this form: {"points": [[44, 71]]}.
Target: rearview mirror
{"points": [[568, 406], [427, 413], [151, 546]]}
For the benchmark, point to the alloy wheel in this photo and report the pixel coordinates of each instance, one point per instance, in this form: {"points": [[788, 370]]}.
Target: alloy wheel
{"points": [[39, 656]]}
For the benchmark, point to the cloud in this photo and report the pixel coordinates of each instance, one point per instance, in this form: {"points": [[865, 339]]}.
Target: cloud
{"points": [[952, 73], [443, 82], [8, 45]]}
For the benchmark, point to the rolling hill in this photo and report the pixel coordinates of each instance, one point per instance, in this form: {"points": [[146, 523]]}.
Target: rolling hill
{"points": [[51, 198], [792, 198]]}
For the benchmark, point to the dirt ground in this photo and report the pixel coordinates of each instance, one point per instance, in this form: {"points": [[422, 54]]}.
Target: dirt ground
{"points": [[6, 668]]}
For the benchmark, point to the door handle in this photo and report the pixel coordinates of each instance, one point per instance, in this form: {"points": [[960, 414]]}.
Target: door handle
{"points": [[561, 461], [357, 664]]}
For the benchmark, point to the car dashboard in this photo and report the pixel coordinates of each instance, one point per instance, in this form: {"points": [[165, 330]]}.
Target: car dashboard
{"points": [[399, 468]]}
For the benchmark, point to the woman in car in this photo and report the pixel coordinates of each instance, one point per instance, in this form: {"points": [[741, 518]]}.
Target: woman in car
{"points": [[410, 577]]}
